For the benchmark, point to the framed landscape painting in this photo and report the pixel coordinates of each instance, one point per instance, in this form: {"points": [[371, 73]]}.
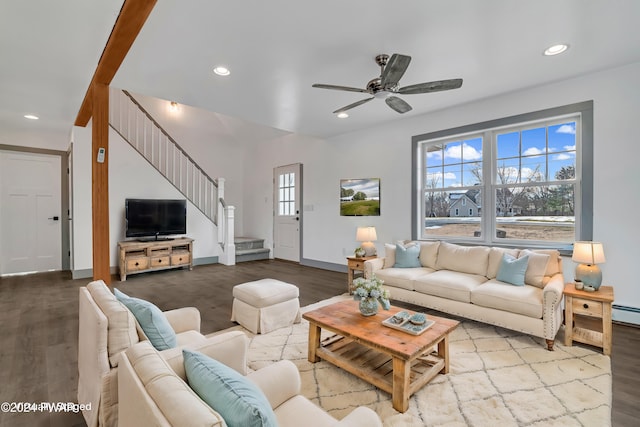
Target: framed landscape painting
{"points": [[360, 197]]}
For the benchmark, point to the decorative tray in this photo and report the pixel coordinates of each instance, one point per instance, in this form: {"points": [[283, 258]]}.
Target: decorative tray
{"points": [[412, 324]]}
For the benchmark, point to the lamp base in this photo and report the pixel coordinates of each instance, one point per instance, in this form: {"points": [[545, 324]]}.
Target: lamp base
{"points": [[369, 248], [590, 275]]}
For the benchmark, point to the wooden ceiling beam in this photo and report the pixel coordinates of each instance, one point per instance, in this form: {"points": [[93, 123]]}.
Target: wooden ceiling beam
{"points": [[131, 19]]}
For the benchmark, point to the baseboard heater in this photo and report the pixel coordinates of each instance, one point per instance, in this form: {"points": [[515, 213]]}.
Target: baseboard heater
{"points": [[626, 314]]}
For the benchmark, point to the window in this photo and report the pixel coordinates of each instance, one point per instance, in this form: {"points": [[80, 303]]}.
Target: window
{"points": [[287, 194], [534, 170]]}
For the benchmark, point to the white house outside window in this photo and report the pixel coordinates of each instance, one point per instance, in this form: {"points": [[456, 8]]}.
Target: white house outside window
{"points": [[528, 172]]}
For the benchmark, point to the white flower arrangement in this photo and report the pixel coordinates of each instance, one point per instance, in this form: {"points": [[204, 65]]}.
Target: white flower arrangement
{"points": [[371, 288]]}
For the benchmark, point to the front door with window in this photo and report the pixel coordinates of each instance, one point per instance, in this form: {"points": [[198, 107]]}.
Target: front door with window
{"points": [[287, 215]]}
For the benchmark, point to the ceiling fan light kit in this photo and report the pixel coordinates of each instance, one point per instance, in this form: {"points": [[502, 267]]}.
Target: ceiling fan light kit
{"points": [[386, 86]]}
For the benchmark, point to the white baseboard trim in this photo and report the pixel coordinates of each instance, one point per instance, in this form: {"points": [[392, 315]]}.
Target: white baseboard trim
{"points": [[624, 314]]}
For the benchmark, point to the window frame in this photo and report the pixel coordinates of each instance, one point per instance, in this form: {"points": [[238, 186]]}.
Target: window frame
{"points": [[584, 171]]}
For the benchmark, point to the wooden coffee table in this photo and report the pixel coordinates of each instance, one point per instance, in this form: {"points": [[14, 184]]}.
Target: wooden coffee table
{"points": [[394, 361]]}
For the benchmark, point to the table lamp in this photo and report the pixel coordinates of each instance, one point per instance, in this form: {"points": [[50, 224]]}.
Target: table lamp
{"points": [[587, 255], [367, 235]]}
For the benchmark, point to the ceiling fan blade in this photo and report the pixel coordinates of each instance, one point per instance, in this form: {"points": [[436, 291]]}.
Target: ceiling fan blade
{"points": [[334, 87], [436, 86], [394, 70], [355, 104], [398, 104]]}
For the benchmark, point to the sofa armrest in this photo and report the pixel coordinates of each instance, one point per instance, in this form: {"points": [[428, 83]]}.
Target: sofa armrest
{"points": [[279, 382], [371, 266], [184, 319], [361, 417], [552, 307]]}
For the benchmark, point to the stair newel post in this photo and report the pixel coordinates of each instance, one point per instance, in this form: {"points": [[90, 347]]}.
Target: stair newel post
{"points": [[220, 214], [229, 253]]}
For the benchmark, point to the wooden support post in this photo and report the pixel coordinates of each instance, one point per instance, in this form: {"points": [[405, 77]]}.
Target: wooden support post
{"points": [[100, 179]]}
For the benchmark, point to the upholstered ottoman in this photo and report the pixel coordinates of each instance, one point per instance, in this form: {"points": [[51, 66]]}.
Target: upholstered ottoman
{"points": [[265, 305]]}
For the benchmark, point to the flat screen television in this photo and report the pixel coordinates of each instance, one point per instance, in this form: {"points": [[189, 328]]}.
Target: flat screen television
{"points": [[147, 219]]}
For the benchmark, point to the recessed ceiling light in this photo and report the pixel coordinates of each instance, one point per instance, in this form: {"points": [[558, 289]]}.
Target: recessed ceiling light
{"points": [[31, 117], [221, 71], [342, 115], [556, 49]]}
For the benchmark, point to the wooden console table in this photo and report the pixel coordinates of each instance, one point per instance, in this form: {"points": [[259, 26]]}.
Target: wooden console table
{"points": [[140, 257]]}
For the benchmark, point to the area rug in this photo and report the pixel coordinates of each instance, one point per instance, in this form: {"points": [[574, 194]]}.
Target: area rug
{"points": [[497, 378]]}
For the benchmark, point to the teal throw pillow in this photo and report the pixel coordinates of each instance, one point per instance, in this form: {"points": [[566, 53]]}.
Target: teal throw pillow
{"points": [[512, 270], [407, 257], [239, 401], [151, 319]]}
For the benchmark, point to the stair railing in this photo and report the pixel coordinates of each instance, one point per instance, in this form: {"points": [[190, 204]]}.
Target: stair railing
{"points": [[136, 126]]}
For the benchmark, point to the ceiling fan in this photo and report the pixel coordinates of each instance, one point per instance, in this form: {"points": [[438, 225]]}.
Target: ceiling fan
{"points": [[386, 86]]}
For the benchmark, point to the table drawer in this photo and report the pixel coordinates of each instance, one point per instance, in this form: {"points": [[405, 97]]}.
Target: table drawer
{"points": [[161, 261], [180, 259], [137, 264], [587, 307], [356, 264]]}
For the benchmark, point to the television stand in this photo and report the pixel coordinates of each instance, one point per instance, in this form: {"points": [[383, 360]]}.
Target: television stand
{"points": [[153, 255]]}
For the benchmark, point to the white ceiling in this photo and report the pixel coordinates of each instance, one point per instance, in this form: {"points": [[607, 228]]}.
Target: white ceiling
{"points": [[277, 49]]}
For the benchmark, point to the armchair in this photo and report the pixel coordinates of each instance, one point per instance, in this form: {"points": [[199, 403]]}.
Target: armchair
{"points": [[106, 329], [154, 392]]}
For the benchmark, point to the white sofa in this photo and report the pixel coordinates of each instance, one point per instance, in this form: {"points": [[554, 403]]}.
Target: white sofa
{"points": [[107, 328], [153, 391], [462, 280]]}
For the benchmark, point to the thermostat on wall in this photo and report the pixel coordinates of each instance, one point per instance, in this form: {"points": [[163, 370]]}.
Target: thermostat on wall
{"points": [[101, 152]]}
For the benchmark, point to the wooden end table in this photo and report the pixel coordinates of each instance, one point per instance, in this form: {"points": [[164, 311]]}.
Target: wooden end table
{"points": [[588, 316], [394, 361], [355, 264]]}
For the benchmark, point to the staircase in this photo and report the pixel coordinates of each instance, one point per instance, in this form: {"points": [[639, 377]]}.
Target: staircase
{"points": [[136, 126], [250, 249]]}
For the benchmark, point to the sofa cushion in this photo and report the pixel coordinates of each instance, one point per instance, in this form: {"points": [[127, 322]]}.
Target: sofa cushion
{"points": [[237, 399], [402, 277], [495, 258], [429, 254], [464, 259], [121, 330], [154, 324], [536, 267], [512, 270], [525, 300], [554, 266], [449, 284], [407, 256], [389, 255], [177, 401]]}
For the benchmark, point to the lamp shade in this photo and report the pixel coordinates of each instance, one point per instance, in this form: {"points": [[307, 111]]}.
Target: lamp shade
{"points": [[366, 234], [588, 253]]}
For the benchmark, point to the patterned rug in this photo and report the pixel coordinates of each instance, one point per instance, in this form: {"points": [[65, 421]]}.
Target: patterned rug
{"points": [[497, 378]]}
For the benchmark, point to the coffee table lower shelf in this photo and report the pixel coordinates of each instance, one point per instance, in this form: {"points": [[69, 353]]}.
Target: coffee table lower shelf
{"points": [[396, 376]]}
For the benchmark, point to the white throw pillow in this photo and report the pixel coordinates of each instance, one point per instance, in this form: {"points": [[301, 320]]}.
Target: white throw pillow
{"points": [[389, 255], [536, 267], [429, 254]]}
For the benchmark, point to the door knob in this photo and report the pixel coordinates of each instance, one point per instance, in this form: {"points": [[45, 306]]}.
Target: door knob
{"points": [[55, 218]]}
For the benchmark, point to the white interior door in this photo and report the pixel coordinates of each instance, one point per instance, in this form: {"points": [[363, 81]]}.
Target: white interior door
{"points": [[287, 213], [30, 212]]}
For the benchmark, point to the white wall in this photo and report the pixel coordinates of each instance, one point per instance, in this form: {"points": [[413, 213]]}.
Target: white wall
{"points": [[130, 176], [385, 152]]}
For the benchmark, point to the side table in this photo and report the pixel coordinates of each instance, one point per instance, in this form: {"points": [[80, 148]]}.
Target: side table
{"points": [[355, 264], [588, 316]]}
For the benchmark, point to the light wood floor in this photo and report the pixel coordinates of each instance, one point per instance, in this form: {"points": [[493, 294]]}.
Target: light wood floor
{"points": [[39, 320]]}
